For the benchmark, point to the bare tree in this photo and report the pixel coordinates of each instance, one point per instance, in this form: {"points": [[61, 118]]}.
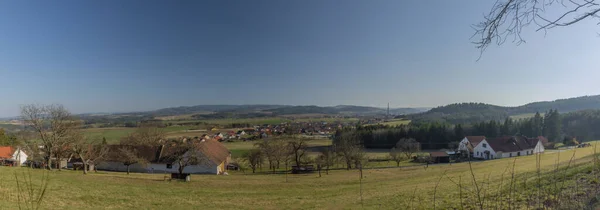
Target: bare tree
{"points": [[297, 148], [327, 158], [145, 135], [408, 147], [507, 18], [397, 156], [186, 154], [52, 123], [269, 151], [90, 153], [348, 147], [130, 156], [254, 158]]}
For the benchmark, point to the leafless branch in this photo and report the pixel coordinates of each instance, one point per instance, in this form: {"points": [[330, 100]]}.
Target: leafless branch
{"points": [[508, 18]]}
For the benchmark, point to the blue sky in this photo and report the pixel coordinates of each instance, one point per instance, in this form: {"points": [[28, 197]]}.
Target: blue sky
{"points": [[111, 56]]}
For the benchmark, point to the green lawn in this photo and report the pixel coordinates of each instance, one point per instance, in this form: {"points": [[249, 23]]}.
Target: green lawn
{"points": [[391, 188]]}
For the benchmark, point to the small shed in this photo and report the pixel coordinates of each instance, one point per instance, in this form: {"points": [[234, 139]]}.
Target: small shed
{"points": [[439, 157]]}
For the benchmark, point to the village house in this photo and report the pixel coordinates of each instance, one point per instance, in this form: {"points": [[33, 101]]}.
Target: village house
{"points": [[159, 159], [12, 156], [502, 147]]}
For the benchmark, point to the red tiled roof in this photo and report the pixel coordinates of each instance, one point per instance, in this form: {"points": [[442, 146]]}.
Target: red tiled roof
{"points": [[6, 152], [475, 140]]}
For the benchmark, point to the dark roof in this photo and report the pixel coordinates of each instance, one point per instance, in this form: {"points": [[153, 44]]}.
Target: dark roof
{"points": [[215, 152], [149, 153], [475, 140], [438, 154], [512, 143]]}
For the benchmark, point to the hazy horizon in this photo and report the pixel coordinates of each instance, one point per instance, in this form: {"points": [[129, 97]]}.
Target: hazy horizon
{"points": [[115, 56]]}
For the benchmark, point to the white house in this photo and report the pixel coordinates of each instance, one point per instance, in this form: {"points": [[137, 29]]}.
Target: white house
{"points": [[469, 144], [13, 154], [502, 147], [215, 157]]}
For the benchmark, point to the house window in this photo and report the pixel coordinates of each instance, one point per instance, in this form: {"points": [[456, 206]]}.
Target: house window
{"points": [[510, 154], [477, 153], [492, 156], [484, 145], [169, 165]]}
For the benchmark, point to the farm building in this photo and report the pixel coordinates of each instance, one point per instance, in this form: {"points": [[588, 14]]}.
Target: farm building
{"points": [[214, 155], [12, 156], [439, 157], [472, 145], [502, 147]]}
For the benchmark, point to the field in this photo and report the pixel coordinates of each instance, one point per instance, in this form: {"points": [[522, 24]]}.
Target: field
{"points": [[524, 116], [396, 122], [115, 134], [238, 148], [390, 188], [253, 121]]}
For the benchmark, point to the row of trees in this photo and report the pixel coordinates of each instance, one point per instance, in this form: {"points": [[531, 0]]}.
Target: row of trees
{"points": [[439, 135], [290, 150], [548, 125], [430, 135], [59, 135]]}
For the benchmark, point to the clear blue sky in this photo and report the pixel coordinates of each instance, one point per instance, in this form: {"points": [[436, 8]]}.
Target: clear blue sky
{"points": [[110, 56]]}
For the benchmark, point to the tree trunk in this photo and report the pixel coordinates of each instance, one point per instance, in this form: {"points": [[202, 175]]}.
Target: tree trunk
{"points": [[84, 167], [319, 167], [397, 163], [49, 161], [58, 162], [127, 169], [327, 170]]}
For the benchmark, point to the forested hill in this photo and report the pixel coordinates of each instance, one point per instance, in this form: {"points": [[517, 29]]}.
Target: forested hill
{"points": [[277, 110], [476, 112]]}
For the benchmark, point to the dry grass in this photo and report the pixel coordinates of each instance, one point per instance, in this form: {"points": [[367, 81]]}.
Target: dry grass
{"points": [[393, 188]]}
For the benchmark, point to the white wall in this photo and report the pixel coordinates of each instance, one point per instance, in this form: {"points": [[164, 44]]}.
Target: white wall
{"points": [[479, 150], [157, 168], [463, 145], [20, 156], [539, 148]]}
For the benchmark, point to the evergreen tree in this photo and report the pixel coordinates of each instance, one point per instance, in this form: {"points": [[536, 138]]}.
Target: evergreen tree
{"points": [[459, 132], [552, 126], [537, 125], [507, 128]]}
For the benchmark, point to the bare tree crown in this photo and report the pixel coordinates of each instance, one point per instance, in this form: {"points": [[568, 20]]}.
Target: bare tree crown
{"points": [[507, 18]]}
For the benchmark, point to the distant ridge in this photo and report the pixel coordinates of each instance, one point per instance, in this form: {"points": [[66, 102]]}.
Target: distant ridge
{"points": [[476, 112]]}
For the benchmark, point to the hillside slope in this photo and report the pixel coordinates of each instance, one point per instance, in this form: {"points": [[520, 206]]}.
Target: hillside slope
{"points": [[476, 112]]}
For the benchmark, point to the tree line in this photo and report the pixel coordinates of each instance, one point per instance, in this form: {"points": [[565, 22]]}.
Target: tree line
{"points": [[437, 135]]}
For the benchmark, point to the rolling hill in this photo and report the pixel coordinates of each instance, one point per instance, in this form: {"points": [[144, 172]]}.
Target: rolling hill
{"points": [[476, 112]]}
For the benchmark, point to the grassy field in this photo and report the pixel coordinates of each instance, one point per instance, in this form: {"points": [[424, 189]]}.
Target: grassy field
{"points": [[115, 134], [391, 188], [396, 122], [524, 116], [252, 121]]}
